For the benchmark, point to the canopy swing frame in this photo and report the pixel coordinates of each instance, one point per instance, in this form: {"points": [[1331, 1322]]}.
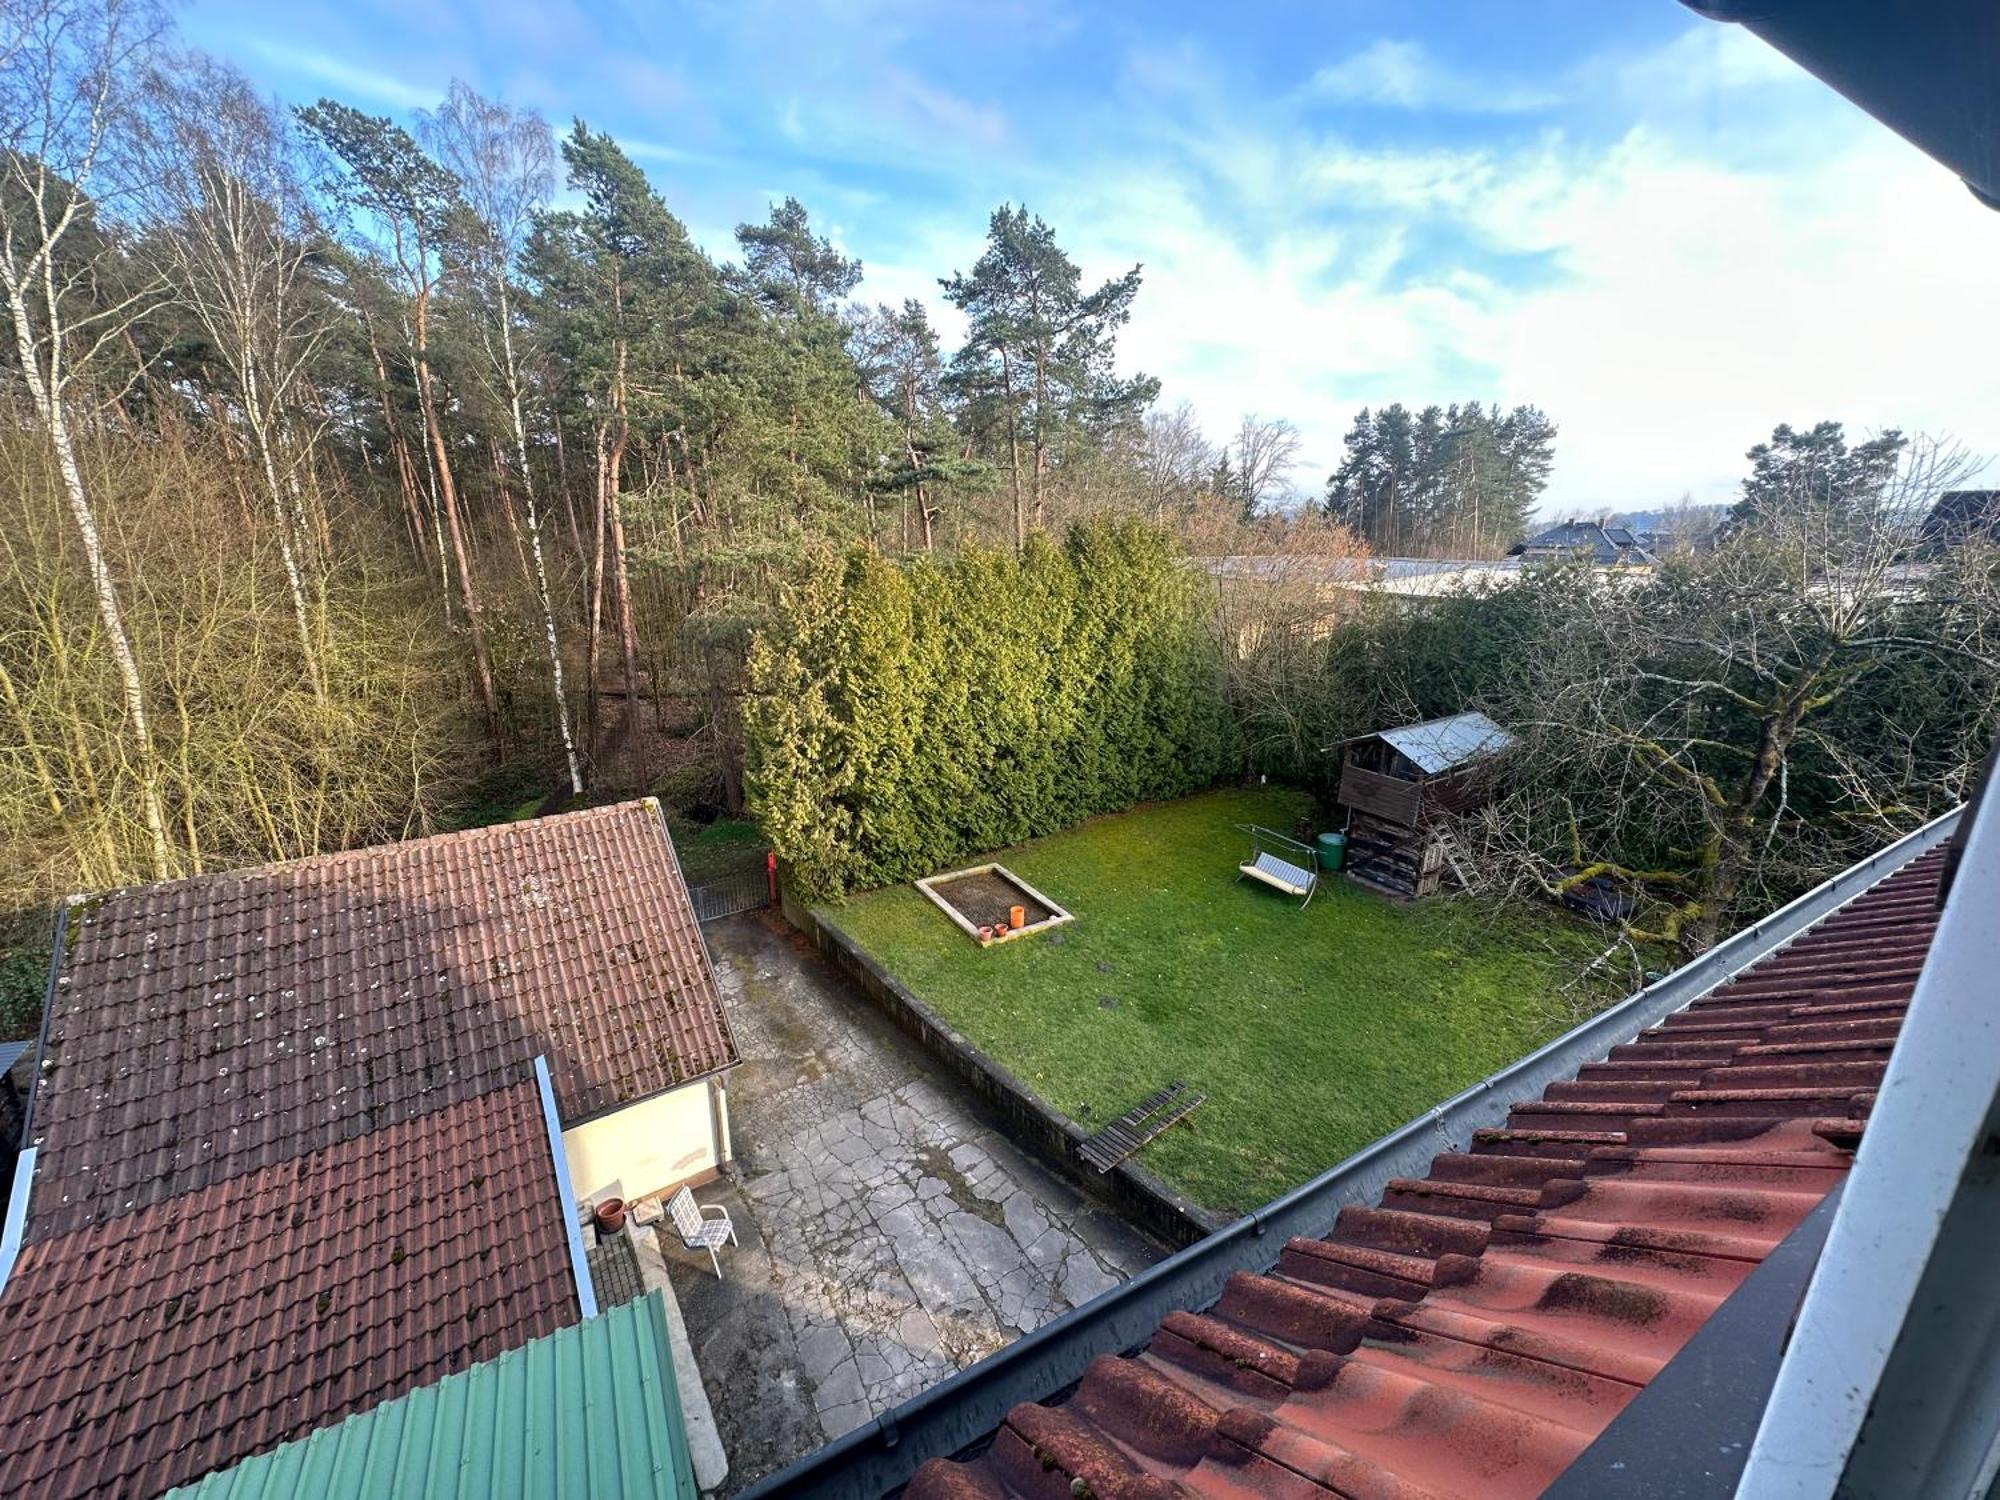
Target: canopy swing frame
{"points": [[1282, 863]]}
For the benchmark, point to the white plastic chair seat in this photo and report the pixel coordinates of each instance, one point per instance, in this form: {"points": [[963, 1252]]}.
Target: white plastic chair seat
{"points": [[701, 1226], [1283, 874]]}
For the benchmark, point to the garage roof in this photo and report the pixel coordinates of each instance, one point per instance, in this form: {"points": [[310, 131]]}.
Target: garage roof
{"points": [[217, 1025], [143, 1352], [588, 1410]]}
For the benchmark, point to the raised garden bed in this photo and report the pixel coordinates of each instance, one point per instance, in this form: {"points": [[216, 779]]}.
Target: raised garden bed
{"points": [[984, 900]]}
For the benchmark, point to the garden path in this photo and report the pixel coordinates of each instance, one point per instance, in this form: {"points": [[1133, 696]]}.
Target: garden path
{"points": [[889, 1235]]}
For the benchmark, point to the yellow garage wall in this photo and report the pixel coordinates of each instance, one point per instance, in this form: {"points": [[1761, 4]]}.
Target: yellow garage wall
{"points": [[656, 1143]]}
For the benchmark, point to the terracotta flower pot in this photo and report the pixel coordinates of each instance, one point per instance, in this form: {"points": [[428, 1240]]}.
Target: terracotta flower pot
{"points": [[1001, 929], [611, 1216], [985, 934], [1017, 916]]}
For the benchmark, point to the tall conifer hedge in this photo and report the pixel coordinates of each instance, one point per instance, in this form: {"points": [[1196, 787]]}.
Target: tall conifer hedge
{"points": [[904, 717]]}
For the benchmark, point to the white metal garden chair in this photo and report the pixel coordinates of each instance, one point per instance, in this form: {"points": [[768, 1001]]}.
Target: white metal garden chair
{"points": [[698, 1230]]}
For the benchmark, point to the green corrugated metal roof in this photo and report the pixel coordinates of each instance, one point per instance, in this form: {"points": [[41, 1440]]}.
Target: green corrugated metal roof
{"points": [[587, 1412]]}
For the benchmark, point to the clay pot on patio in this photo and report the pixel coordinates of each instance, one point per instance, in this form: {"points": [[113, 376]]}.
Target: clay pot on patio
{"points": [[610, 1214], [1001, 929], [985, 934]]}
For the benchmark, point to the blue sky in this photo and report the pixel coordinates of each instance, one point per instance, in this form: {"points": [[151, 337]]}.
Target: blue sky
{"points": [[1649, 225]]}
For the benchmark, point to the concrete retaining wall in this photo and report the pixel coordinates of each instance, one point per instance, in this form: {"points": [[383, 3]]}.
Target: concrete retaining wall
{"points": [[1139, 1196]]}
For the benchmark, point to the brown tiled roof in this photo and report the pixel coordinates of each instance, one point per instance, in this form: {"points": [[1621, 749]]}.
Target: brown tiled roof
{"points": [[1471, 1335], [142, 1353], [212, 1026]]}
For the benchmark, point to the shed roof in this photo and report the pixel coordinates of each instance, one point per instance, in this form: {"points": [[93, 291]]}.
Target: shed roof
{"points": [[1473, 1333], [211, 1026], [1440, 744], [143, 1352], [587, 1410]]}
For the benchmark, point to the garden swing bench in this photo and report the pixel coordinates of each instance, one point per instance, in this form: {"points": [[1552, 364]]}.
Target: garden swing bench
{"points": [[1281, 863]]}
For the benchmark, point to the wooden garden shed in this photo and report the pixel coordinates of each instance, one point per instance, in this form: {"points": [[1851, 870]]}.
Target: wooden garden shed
{"points": [[1397, 784]]}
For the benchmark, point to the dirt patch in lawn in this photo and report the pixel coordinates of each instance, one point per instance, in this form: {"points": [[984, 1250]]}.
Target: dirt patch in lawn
{"points": [[986, 900]]}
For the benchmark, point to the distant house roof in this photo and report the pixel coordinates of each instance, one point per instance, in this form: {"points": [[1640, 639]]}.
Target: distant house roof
{"points": [[1472, 1334], [1415, 576], [588, 1410], [1958, 517], [210, 1026], [1604, 545], [11, 1053], [143, 1352], [1440, 744]]}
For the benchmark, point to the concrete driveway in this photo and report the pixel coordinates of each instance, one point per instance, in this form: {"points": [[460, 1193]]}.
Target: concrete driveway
{"points": [[889, 1235]]}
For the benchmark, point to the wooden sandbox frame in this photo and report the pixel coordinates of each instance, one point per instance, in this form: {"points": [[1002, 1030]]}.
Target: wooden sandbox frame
{"points": [[1056, 917]]}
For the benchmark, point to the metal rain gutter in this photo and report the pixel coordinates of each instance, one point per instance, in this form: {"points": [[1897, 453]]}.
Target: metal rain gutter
{"points": [[579, 1263], [882, 1454], [17, 1213]]}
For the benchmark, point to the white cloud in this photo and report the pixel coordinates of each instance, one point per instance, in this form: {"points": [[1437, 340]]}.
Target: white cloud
{"points": [[1667, 295], [1404, 75], [358, 82]]}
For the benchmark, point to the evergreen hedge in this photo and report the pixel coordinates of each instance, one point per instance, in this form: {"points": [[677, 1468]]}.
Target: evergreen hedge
{"points": [[904, 717]]}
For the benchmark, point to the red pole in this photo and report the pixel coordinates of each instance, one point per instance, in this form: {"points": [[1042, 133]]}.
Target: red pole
{"points": [[771, 869]]}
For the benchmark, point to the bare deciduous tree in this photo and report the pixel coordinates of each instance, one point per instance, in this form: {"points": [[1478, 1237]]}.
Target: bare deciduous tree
{"points": [[238, 236], [1685, 714], [65, 73], [505, 159], [1266, 450], [1175, 458]]}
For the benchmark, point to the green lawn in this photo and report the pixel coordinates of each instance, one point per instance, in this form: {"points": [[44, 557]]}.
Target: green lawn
{"points": [[1312, 1032]]}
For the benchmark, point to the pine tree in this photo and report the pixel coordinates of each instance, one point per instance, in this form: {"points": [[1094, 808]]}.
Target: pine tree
{"points": [[1039, 355]]}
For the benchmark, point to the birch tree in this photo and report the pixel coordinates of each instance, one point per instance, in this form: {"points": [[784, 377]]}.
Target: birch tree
{"points": [[238, 237], [65, 105], [505, 160]]}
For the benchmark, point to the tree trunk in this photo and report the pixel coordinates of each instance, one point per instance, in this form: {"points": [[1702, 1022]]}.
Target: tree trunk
{"points": [[628, 636], [406, 474], [595, 644], [482, 663], [535, 549], [1041, 420], [1013, 451], [47, 396]]}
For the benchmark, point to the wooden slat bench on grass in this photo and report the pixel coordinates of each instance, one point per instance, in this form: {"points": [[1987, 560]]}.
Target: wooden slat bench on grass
{"points": [[1139, 1125]]}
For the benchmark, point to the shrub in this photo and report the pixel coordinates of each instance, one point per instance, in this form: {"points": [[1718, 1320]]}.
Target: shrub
{"points": [[903, 717]]}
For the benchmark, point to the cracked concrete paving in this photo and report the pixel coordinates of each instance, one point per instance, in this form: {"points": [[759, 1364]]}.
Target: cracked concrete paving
{"points": [[889, 1235]]}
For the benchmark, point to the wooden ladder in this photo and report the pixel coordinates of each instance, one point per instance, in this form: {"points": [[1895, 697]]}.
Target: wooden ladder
{"points": [[1139, 1125]]}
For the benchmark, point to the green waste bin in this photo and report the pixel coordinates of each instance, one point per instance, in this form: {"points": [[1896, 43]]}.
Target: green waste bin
{"points": [[1332, 851]]}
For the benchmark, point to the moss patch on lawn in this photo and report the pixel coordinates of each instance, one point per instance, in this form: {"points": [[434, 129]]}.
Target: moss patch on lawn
{"points": [[1312, 1032]]}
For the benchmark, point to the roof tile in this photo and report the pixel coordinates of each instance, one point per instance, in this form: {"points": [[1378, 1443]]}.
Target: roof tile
{"points": [[224, 1023]]}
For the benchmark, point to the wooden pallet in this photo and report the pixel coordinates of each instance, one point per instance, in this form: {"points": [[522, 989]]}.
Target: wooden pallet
{"points": [[1137, 1126]]}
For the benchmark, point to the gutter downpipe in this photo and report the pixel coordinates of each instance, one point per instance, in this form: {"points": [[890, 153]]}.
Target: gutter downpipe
{"points": [[882, 1454], [579, 1263]]}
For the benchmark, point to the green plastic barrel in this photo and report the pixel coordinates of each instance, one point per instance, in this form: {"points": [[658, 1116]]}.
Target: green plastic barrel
{"points": [[1332, 850]]}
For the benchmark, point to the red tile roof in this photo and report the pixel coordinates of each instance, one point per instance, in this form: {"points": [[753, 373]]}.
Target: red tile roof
{"points": [[142, 1353], [212, 1026], [1471, 1335]]}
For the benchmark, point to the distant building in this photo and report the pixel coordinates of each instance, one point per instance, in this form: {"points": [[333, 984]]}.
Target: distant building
{"points": [[1306, 596], [1605, 545], [1960, 516]]}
